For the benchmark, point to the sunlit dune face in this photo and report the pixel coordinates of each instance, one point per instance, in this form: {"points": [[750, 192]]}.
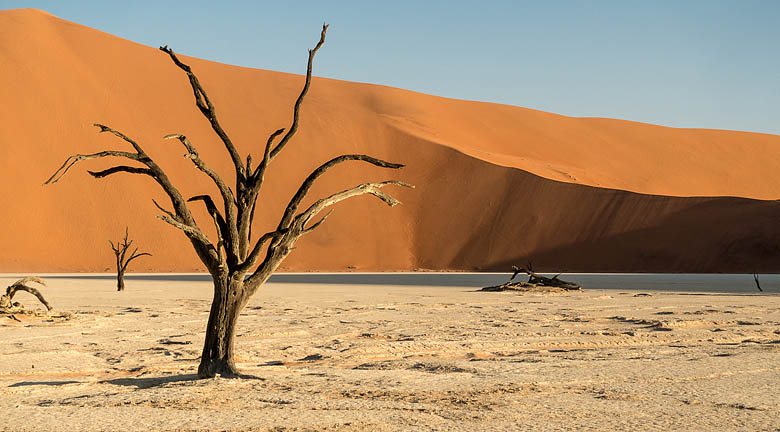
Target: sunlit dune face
{"points": [[496, 184]]}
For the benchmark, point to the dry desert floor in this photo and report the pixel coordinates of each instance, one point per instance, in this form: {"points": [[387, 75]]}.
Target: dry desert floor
{"points": [[390, 357]]}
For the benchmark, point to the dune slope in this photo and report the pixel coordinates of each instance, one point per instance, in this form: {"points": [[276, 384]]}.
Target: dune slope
{"points": [[495, 184]]}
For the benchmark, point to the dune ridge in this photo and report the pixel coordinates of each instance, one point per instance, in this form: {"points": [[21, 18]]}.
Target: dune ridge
{"points": [[496, 184]]}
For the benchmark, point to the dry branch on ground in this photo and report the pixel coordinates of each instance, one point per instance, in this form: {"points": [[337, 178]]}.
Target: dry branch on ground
{"points": [[536, 282], [7, 305]]}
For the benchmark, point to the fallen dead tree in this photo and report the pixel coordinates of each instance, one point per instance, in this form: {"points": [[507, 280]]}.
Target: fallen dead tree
{"points": [[536, 282], [7, 305]]}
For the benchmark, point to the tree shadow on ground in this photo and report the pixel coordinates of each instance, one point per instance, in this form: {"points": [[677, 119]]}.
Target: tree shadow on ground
{"points": [[43, 383], [149, 382]]}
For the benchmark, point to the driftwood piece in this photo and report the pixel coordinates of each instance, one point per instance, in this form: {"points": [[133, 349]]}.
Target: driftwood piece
{"points": [[536, 282], [6, 300]]}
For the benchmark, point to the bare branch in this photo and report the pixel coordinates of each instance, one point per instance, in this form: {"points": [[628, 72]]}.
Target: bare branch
{"points": [[135, 255], [6, 299], [296, 200], [251, 219], [260, 171], [121, 168], [35, 279], [170, 214], [211, 207], [297, 108], [253, 256], [104, 128], [74, 159], [154, 170], [318, 223], [192, 154], [271, 152], [284, 243], [219, 221], [193, 231], [207, 109], [362, 189], [228, 222], [125, 245]]}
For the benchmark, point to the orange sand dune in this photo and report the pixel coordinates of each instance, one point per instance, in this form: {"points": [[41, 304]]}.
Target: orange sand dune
{"points": [[495, 184]]}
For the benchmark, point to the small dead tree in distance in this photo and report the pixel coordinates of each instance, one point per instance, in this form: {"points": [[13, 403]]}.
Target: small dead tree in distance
{"points": [[123, 260], [237, 266]]}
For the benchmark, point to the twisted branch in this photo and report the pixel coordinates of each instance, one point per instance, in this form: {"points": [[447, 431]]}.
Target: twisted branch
{"points": [[254, 254], [207, 109], [286, 238], [318, 223], [135, 255], [104, 128], [6, 300], [120, 250], [182, 216], [362, 189], [121, 168], [170, 214], [296, 110], [219, 221], [228, 223], [259, 173], [193, 231], [296, 200], [74, 159]]}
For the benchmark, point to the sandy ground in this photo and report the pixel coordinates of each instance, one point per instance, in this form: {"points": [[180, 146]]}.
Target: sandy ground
{"points": [[359, 357]]}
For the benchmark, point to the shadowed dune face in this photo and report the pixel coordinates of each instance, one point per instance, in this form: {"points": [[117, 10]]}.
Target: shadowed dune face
{"points": [[496, 184]]}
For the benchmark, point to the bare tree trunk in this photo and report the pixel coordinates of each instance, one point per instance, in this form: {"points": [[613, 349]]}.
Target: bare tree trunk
{"points": [[120, 281], [217, 358]]}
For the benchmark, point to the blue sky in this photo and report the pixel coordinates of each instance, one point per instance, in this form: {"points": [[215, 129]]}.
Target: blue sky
{"points": [[710, 64]]}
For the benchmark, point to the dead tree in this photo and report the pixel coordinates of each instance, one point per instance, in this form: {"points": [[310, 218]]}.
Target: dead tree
{"points": [[6, 300], [535, 280], [758, 284], [238, 263], [123, 259]]}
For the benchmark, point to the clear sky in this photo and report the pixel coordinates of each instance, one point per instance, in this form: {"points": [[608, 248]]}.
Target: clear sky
{"points": [[692, 63]]}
